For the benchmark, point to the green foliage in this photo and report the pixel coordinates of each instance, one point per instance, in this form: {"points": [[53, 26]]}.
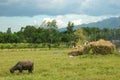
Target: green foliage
{"points": [[80, 36], [48, 32], [95, 33], [68, 36], [52, 25], [9, 31], [70, 27], [31, 45]]}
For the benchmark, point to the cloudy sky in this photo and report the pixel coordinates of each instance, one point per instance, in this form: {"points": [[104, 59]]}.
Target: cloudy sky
{"points": [[19, 13]]}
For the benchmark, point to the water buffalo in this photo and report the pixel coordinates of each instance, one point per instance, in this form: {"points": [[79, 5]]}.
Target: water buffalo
{"points": [[23, 65]]}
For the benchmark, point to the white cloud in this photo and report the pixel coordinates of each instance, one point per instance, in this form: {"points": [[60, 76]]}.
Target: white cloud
{"points": [[62, 20], [77, 22], [47, 19], [59, 20]]}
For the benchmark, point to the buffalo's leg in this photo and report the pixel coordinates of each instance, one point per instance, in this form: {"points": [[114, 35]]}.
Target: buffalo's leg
{"points": [[30, 70], [20, 70]]}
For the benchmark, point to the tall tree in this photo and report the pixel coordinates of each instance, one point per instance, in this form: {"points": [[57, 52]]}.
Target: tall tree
{"points": [[9, 30], [52, 25], [81, 36], [29, 33], [70, 27], [52, 30], [1, 37]]}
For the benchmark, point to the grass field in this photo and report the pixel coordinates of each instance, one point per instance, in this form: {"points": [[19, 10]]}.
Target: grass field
{"points": [[55, 64]]}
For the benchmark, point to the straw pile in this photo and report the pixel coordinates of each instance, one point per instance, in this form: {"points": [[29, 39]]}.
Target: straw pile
{"points": [[102, 47], [97, 47], [78, 50]]}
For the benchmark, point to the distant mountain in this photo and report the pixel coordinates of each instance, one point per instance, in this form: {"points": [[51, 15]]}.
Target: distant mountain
{"points": [[113, 22]]}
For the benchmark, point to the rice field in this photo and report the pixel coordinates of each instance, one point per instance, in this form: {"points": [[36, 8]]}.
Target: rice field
{"points": [[55, 64]]}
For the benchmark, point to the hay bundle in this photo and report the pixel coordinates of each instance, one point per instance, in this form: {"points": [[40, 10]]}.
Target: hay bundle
{"points": [[102, 47], [78, 50], [97, 47]]}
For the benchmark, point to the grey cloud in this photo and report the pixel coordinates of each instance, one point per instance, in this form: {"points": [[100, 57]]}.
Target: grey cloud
{"points": [[58, 7]]}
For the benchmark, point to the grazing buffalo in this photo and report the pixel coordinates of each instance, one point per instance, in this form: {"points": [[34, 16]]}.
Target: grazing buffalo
{"points": [[23, 65]]}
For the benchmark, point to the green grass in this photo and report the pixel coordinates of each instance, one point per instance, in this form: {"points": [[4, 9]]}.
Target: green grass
{"points": [[55, 64]]}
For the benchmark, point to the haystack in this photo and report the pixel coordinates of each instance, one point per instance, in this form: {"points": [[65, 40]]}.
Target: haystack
{"points": [[78, 50], [97, 47], [102, 47]]}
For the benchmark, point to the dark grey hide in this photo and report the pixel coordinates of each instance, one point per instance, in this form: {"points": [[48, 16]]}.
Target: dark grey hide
{"points": [[23, 65]]}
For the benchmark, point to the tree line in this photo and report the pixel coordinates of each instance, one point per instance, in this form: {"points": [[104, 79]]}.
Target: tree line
{"points": [[48, 33]]}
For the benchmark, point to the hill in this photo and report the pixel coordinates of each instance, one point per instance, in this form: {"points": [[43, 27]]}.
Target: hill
{"points": [[113, 22]]}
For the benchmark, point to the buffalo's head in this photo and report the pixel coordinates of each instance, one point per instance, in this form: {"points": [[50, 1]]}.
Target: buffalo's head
{"points": [[11, 70]]}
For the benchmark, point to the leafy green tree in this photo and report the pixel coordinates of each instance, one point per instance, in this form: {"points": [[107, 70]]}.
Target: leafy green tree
{"points": [[1, 37], [92, 32], [9, 31], [30, 33], [81, 36], [52, 25], [52, 31], [68, 36], [70, 27]]}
